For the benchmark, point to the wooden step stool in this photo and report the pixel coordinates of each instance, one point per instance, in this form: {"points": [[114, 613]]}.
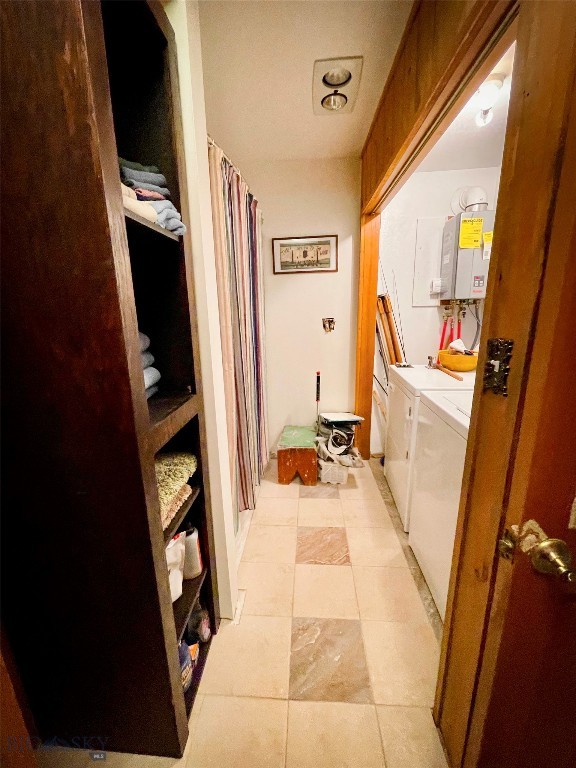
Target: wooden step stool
{"points": [[297, 455]]}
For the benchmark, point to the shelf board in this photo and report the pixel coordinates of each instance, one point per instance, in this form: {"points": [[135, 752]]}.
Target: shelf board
{"points": [[190, 695], [180, 515], [183, 606], [149, 225], [168, 414]]}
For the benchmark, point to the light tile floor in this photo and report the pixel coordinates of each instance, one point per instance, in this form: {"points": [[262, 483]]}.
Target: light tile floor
{"points": [[333, 662]]}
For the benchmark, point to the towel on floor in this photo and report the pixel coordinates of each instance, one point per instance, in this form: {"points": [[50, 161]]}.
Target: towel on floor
{"points": [[127, 192], [164, 191], [141, 209], [146, 194], [147, 359], [151, 376], [143, 176], [144, 341], [137, 166], [151, 391]]}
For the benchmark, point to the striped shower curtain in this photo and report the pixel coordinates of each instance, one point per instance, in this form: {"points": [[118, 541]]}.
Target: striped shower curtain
{"points": [[237, 226]]}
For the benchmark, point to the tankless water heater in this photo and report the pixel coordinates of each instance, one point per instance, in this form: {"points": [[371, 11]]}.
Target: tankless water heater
{"points": [[466, 248]]}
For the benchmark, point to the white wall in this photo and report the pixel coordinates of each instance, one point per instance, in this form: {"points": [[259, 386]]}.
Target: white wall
{"points": [[301, 198], [184, 18], [425, 194]]}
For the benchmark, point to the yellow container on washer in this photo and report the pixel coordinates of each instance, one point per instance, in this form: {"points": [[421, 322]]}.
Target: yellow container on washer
{"points": [[460, 363]]}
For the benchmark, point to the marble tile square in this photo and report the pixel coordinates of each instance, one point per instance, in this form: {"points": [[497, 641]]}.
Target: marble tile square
{"points": [[250, 659], [269, 588], [325, 591], [387, 594], [328, 662], [402, 662], [320, 513], [333, 735], [271, 489], [274, 511], [270, 544], [322, 546], [375, 546], [240, 732], [320, 491], [359, 488], [410, 738], [366, 513], [271, 471]]}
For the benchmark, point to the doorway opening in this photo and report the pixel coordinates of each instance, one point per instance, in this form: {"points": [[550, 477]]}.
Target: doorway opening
{"points": [[432, 281]]}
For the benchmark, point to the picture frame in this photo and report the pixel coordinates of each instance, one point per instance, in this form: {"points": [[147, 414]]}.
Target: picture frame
{"points": [[301, 255]]}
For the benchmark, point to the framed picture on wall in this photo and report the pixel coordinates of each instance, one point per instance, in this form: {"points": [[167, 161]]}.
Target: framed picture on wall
{"points": [[305, 254]]}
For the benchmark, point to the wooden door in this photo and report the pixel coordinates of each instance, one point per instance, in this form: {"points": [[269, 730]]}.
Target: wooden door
{"points": [[507, 688]]}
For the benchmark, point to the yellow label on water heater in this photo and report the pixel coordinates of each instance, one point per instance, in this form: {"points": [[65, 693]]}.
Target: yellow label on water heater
{"points": [[471, 233]]}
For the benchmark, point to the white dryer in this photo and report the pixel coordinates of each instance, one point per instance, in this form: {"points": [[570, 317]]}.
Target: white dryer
{"points": [[441, 438], [404, 389]]}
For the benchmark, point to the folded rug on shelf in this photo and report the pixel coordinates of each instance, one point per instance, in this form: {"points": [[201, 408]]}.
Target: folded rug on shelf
{"points": [[173, 471]]}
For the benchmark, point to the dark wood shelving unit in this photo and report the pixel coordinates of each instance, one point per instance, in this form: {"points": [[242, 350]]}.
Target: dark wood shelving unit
{"points": [[168, 414], [190, 695], [93, 275], [150, 225], [184, 606], [176, 522]]}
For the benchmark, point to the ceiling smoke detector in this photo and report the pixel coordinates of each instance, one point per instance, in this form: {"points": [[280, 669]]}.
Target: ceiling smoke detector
{"points": [[335, 84]]}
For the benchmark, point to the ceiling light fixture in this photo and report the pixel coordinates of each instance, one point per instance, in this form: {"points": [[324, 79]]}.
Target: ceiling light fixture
{"points": [[335, 85], [486, 98], [484, 117], [334, 101], [337, 77]]}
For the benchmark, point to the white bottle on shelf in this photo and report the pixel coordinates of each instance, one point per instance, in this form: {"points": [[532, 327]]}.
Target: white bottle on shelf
{"points": [[193, 558]]}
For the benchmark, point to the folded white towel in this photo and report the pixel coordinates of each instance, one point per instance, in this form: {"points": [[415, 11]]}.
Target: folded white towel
{"points": [[151, 391], [147, 359], [144, 341], [151, 376]]}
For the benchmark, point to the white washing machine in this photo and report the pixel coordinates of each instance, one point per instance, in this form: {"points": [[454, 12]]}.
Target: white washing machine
{"points": [[441, 438], [404, 389]]}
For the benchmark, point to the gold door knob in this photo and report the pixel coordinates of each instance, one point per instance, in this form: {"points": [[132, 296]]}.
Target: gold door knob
{"points": [[553, 557], [549, 556]]}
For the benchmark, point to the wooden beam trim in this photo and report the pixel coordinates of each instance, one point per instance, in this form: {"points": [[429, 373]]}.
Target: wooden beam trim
{"points": [[490, 17]]}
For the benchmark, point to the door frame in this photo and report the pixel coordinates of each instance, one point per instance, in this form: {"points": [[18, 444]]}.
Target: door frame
{"points": [[537, 124]]}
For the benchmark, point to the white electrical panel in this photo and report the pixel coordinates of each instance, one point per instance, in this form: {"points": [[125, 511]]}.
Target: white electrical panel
{"points": [[466, 249]]}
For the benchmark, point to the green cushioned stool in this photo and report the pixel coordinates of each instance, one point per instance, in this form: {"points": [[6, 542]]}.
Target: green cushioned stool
{"points": [[297, 455]]}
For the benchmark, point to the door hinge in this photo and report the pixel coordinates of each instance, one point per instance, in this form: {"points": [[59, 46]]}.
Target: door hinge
{"points": [[497, 366]]}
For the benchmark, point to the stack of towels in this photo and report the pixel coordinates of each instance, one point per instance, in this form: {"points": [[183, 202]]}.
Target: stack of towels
{"points": [[173, 471], [151, 375], [144, 192]]}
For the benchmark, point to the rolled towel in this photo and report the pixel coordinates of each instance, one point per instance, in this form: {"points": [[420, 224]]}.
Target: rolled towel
{"points": [[146, 194], [168, 217], [151, 376], [144, 341], [151, 391], [137, 166], [161, 206], [127, 192], [164, 191], [144, 210], [143, 176], [176, 227], [147, 359]]}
